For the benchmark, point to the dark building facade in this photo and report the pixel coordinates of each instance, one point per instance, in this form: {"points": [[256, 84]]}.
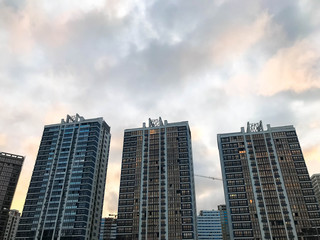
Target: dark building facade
{"points": [[66, 192], [108, 228], [315, 179], [157, 196], [224, 221], [267, 187], [12, 225], [10, 168]]}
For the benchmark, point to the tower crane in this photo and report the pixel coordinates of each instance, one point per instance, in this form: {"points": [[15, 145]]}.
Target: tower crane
{"points": [[212, 178]]}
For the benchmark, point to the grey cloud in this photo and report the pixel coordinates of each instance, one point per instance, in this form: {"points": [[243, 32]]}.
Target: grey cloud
{"points": [[275, 110], [310, 95], [155, 61], [294, 17], [15, 4]]}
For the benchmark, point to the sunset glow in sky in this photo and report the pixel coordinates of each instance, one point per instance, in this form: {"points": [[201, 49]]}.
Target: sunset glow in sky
{"points": [[214, 63]]}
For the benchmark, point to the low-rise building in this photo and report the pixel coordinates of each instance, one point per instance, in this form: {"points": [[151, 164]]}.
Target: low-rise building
{"points": [[209, 225], [108, 228]]}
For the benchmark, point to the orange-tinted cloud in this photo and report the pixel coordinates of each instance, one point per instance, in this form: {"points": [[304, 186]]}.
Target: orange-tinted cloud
{"points": [[110, 205], [29, 147], [312, 157], [3, 139], [236, 40], [55, 111], [294, 68]]}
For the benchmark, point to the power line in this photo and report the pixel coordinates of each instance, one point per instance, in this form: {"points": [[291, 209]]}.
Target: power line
{"points": [[212, 178]]}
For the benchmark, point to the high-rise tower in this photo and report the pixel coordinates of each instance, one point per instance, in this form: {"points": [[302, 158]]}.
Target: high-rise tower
{"points": [[108, 228], [10, 168], [315, 179], [12, 225], [267, 187], [66, 191], [224, 221], [157, 196]]}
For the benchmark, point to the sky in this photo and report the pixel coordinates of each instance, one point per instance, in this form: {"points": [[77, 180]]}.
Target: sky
{"points": [[215, 63]]}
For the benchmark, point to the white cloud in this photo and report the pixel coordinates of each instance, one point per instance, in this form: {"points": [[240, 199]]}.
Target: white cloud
{"points": [[235, 41], [3, 139], [294, 68], [207, 63]]}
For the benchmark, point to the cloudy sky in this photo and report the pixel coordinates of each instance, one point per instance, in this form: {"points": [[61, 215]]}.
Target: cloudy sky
{"points": [[214, 63]]}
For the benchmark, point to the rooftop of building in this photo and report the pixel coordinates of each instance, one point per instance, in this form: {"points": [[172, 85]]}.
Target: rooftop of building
{"points": [[316, 175], [258, 128], [71, 119], [10, 155], [158, 123]]}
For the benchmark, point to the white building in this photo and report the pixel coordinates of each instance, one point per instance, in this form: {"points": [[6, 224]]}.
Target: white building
{"points": [[209, 225]]}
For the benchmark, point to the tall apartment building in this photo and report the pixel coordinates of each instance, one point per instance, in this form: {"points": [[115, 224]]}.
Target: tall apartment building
{"points": [[224, 221], [157, 196], [12, 225], [66, 191], [315, 179], [209, 225], [268, 190], [108, 228], [10, 168]]}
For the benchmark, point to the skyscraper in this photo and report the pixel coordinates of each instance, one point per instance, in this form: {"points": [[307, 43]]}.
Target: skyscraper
{"points": [[66, 191], [209, 225], [315, 179], [267, 187], [224, 222], [108, 228], [12, 225], [157, 197], [10, 168]]}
